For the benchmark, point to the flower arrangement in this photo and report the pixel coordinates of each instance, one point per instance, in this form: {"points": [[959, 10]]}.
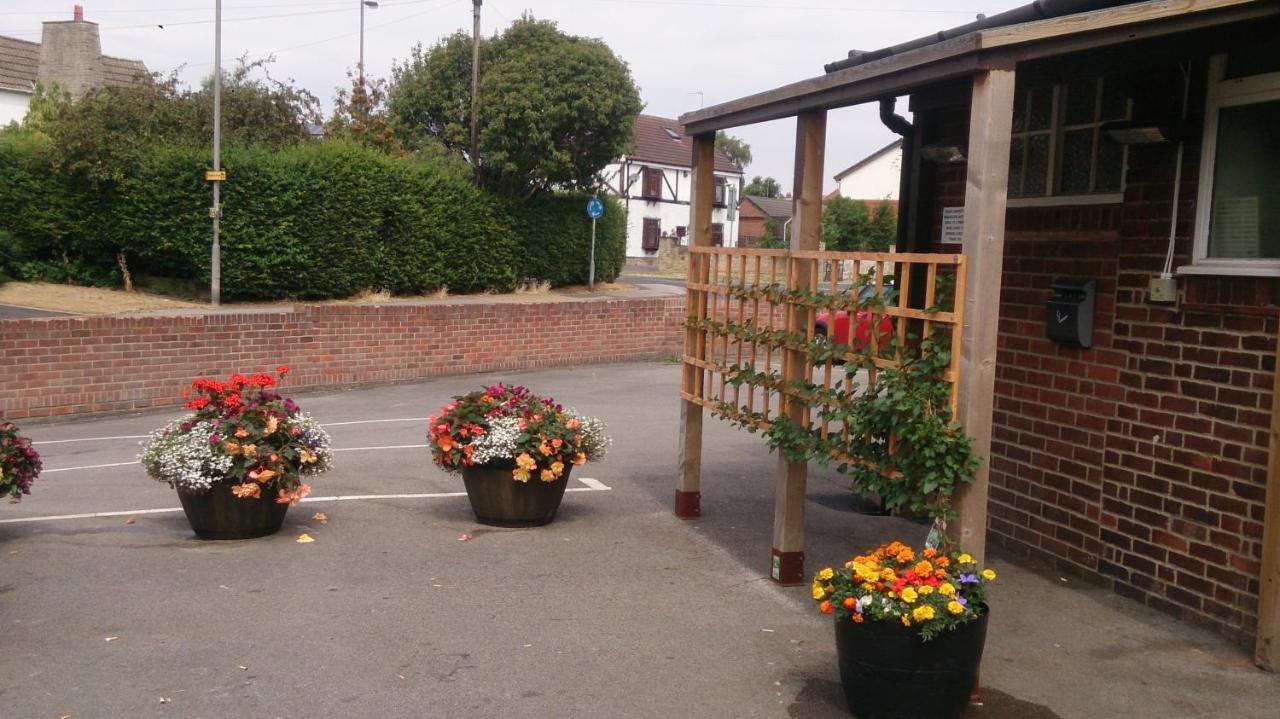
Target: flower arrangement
{"points": [[509, 424], [934, 591], [19, 463], [241, 432]]}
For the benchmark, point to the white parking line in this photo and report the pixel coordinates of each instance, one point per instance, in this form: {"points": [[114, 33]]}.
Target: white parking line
{"points": [[88, 466], [593, 485], [90, 439], [373, 421]]}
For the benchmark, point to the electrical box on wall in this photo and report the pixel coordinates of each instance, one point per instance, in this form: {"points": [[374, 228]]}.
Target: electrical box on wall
{"points": [[1164, 289], [1069, 312]]}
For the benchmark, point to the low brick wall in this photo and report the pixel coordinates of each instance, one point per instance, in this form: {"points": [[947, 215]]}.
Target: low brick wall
{"points": [[62, 366]]}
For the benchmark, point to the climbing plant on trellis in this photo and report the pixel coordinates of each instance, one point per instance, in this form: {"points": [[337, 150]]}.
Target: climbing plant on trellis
{"points": [[851, 357]]}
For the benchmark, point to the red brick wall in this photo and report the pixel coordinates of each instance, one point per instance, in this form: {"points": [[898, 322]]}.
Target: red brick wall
{"points": [[1140, 462], [62, 366], [751, 224]]}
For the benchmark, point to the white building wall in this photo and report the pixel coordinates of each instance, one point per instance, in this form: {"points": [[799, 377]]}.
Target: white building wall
{"points": [[670, 214], [13, 106], [876, 180]]}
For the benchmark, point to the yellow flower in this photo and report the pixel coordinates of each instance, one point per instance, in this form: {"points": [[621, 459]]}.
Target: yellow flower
{"points": [[557, 468], [988, 575], [922, 613], [819, 594], [955, 607], [868, 586], [964, 559], [947, 589], [525, 462], [926, 590], [909, 595], [888, 575], [520, 474], [906, 621], [826, 574], [547, 475]]}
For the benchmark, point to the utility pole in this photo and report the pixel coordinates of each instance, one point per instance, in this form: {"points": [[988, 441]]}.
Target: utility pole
{"points": [[215, 212], [475, 86]]}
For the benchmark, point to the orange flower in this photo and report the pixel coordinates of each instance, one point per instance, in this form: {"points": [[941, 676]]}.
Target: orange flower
{"points": [[547, 475], [291, 498], [906, 556], [261, 475], [849, 603], [248, 489], [272, 425], [857, 618], [231, 448], [580, 459], [930, 553], [557, 442], [942, 562], [826, 608], [572, 424], [924, 569], [241, 432], [545, 450], [446, 443]]}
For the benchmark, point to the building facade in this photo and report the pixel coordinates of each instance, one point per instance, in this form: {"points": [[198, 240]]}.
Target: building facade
{"points": [[653, 184], [755, 214], [874, 177]]}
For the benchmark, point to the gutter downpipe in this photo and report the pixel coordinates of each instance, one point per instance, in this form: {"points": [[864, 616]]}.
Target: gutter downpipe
{"points": [[900, 126]]}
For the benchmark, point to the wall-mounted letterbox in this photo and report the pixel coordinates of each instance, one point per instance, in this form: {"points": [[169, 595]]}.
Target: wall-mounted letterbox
{"points": [[1069, 313]]}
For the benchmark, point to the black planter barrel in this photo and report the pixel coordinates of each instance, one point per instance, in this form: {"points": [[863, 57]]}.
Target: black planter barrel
{"points": [[889, 672], [219, 514], [499, 500]]}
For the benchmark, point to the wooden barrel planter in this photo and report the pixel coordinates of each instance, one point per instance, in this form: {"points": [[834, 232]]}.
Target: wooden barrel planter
{"points": [[501, 501], [219, 514], [889, 672]]}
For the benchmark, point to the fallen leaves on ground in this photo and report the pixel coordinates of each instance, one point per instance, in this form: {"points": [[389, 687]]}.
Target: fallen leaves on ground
{"points": [[110, 639], [130, 520], [464, 537], [321, 517], [305, 538]]}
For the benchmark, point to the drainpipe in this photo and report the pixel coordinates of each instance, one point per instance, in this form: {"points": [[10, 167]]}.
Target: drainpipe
{"points": [[900, 126]]}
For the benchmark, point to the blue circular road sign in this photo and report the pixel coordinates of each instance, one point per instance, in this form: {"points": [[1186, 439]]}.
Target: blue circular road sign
{"points": [[595, 208]]}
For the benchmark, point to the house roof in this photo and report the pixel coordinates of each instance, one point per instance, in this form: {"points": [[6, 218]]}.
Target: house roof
{"points": [[20, 63], [776, 207], [904, 69], [662, 140], [896, 144]]}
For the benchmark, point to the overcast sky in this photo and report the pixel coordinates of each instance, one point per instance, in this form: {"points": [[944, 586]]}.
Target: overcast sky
{"points": [[682, 53]]}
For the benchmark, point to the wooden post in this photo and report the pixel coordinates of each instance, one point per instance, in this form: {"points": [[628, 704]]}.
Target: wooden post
{"points": [[688, 492], [990, 122], [806, 230], [1267, 650]]}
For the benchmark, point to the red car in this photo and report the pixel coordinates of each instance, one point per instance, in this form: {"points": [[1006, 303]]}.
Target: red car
{"points": [[839, 330]]}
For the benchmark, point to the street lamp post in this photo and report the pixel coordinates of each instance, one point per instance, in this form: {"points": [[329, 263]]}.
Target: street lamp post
{"points": [[215, 212], [372, 5]]}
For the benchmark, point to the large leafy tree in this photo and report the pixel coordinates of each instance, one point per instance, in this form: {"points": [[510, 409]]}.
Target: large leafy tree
{"points": [[853, 225], [763, 187], [554, 109], [735, 148]]}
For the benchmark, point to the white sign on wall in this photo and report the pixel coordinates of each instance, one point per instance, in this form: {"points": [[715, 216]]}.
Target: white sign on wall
{"points": [[952, 225]]}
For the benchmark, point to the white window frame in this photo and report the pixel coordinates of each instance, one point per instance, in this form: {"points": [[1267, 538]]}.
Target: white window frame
{"points": [[1056, 132], [1222, 93]]}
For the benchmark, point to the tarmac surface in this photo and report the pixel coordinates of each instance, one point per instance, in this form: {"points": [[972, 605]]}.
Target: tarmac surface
{"points": [[404, 606], [14, 312]]}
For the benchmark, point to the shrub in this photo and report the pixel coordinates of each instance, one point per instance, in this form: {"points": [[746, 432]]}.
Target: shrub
{"points": [[555, 238]]}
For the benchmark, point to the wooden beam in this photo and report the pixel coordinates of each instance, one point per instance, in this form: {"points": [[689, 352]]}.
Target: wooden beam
{"points": [[806, 231], [1267, 649], [987, 183], [688, 489]]}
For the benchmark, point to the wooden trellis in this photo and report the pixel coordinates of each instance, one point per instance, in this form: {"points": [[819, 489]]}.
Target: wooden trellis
{"points": [[751, 350]]}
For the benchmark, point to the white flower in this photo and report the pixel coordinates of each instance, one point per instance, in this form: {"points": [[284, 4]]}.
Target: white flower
{"points": [[187, 461], [498, 443]]}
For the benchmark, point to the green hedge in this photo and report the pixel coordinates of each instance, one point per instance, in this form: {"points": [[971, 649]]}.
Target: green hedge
{"points": [[318, 220]]}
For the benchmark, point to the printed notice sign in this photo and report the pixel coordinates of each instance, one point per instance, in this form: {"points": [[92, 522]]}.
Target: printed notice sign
{"points": [[952, 225]]}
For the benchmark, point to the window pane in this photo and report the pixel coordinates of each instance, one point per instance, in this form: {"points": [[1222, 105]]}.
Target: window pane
{"points": [[1015, 167], [1077, 158], [1115, 99], [1041, 113], [1245, 218], [1082, 97], [1110, 171], [1020, 111], [1037, 180]]}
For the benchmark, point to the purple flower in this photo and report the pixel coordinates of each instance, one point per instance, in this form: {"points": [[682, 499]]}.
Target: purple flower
{"points": [[967, 579], [214, 438], [963, 602]]}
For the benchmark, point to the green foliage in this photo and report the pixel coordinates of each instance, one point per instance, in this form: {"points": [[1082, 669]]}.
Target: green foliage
{"points": [[762, 187], [555, 238], [554, 109], [851, 225], [360, 115], [775, 236], [735, 148]]}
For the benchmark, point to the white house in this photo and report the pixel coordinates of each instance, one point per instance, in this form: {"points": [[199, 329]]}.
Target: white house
{"points": [[653, 183], [874, 177], [69, 55]]}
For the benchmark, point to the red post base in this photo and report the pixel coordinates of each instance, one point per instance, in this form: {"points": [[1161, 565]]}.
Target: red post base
{"points": [[688, 504], [788, 568]]}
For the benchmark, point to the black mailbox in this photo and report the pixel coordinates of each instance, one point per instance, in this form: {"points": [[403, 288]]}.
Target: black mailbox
{"points": [[1069, 314]]}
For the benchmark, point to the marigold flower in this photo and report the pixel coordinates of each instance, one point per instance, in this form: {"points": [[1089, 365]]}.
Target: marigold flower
{"points": [[906, 556], [826, 608], [849, 603], [929, 553], [906, 621], [955, 607], [942, 562], [964, 559], [922, 613], [826, 574], [909, 595], [819, 593], [988, 575], [857, 618], [925, 590], [923, 568], [947, 589]]}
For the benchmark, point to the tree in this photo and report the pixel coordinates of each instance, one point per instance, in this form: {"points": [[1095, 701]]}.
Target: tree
{"points": [[735, 148], [554, 109], [763, 187], [776, 236], [852, 226], [360, 115]]}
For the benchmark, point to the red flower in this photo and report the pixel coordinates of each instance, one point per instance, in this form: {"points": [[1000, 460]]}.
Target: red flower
{"points": [[282, 370], [231, 400]]}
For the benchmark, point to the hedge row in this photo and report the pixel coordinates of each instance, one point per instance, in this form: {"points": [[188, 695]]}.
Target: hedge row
{"points": [[318, 220]]}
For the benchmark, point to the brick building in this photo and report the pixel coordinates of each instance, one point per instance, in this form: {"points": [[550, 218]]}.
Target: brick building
{"points": [[754, 214], [1119, 143]]}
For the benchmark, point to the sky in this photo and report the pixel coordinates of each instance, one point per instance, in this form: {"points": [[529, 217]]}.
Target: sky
{"points": [[683, 54]]}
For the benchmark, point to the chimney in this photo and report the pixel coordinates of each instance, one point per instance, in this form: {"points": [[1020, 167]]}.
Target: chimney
{"points": [[71, 55]]}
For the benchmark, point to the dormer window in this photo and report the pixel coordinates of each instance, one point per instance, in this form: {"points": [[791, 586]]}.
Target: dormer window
{"points": [[672, 134]]}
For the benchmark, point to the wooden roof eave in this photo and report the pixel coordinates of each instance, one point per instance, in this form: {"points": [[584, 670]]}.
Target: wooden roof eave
{"points": [[897, 75]]}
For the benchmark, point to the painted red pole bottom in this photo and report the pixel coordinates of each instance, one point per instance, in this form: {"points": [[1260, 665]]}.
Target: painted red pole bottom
{"points": [[788, 568], [688, 504]]}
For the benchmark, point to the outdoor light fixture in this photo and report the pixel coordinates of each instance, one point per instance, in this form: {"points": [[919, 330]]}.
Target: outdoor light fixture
{"points": [[1131, 132], [944, 154]]}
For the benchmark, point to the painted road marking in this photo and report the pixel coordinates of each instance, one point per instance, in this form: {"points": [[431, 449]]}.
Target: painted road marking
{"points": [[593, 485], [88, 466], [144, 436], [124, 464]]}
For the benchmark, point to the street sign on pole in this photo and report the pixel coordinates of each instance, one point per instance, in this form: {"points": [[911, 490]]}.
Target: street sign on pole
{"points": [[595, 209]]}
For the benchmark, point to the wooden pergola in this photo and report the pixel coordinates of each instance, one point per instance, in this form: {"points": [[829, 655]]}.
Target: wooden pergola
{"points": [[987, 60]]}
